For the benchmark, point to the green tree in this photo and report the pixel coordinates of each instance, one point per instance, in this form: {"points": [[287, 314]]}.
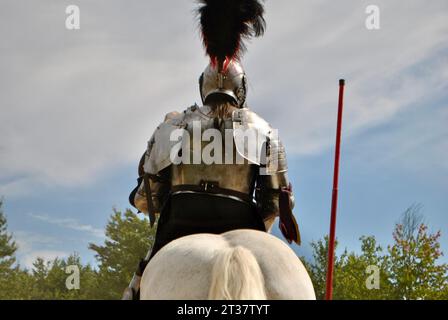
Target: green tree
{"points": [[413, 262], [21, 286], [318, 268], [359, 270], [40, 272], [408, 270], [8, 249], [350, 269], [49, 279], [128, 240]]}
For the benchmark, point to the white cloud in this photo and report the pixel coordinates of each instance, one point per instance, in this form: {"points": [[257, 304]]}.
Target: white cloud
{"points": [[26, 241], [30, 247], [416, 142], [70, 223], [75, 105]]}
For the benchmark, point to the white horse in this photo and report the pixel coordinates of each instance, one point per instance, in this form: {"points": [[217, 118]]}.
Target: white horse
{"points": [[237, 265]]}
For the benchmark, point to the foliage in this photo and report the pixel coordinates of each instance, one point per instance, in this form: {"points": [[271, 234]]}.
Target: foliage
{"points": [[49, 280], [350, 271], [412, 261], [8, 249], [409, 269], [129, 239]]}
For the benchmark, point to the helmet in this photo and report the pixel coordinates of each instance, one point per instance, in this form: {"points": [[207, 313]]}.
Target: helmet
{"points": [[230, 81]]}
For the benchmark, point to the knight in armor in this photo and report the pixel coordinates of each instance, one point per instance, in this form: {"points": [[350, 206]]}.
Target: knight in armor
{"points": [[191, 197]]}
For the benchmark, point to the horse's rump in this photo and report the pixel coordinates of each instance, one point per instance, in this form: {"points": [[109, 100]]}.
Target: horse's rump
{"points": [[203, 266]]}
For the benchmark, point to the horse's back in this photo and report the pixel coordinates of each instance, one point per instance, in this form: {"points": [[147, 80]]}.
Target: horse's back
{"points": [[183, 268]]}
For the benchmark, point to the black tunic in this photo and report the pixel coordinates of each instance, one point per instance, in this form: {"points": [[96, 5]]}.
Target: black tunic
{"points": [[192, 213]]}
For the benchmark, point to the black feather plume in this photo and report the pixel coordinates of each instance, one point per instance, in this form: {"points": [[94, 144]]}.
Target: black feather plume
{"points": [[226, 23]]}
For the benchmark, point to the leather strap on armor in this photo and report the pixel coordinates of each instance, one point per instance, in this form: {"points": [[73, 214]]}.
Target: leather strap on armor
{"points": [[211, 187], [151, 213], [288, 224]]}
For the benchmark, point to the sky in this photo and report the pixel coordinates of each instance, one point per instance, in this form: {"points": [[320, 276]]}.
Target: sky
{"points": [[78, 106]]}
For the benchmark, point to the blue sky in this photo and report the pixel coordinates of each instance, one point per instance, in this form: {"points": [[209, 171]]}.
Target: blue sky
{"points": [[77, 108]]}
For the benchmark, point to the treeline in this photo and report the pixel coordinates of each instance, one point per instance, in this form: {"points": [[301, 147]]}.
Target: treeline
{"points": [[128, 239], [409, 268]]}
